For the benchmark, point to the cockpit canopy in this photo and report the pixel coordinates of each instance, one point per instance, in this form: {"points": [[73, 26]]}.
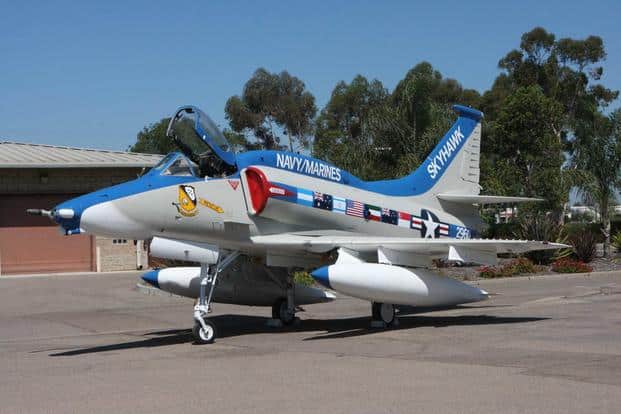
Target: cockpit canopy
{"points": [[177, 165], [198, 137]]}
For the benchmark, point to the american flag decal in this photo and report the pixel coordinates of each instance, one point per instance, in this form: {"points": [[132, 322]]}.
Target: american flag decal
{"points": [[354, 208]]}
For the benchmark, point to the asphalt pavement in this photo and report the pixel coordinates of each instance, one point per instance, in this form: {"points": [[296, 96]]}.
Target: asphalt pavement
{"points": [[95, 343]]}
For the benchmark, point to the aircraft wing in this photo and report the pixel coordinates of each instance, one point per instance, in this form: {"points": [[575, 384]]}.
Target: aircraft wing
{"points": [[484, 199], [404, 250]]}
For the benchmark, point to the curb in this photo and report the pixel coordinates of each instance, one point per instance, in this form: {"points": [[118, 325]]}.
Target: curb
{"points": [[549, 276], [74, 274]]}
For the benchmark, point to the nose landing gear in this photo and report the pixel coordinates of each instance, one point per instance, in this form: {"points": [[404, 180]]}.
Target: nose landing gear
{"points": [[204, 330]]}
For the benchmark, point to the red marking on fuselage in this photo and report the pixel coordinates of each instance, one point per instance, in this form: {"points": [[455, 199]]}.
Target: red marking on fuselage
{"points": [[234, 184]]}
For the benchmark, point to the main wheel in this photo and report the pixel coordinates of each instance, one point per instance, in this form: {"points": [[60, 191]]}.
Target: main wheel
{"points": [[280, 310], [204, 336], [384, 312]]}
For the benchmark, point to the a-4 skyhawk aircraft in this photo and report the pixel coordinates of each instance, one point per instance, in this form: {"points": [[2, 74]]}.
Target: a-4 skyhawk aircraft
{"points": [[251, 218]]}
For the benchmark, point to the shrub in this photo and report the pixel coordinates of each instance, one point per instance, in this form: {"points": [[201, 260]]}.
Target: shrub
{"points": [[500, 230], [303, 278], [539, 226], [489, 272], [574, 229], [562, 253], [522, 265], [584, 244], [616, 240], [570, 266], [512, 268]]}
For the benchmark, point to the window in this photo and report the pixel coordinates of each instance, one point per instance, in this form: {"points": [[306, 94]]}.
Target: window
{"points": [[180, 167]]}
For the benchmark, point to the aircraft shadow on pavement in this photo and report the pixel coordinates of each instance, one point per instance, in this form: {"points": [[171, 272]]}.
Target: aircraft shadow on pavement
{"points": [[238, 325]]}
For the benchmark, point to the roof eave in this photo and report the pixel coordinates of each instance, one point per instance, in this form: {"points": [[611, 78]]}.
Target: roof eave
{"points": [[77, 165]]}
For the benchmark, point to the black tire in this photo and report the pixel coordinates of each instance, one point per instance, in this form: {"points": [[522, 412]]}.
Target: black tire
{"points": [[384, 312], [280, 312], [202, 337]]}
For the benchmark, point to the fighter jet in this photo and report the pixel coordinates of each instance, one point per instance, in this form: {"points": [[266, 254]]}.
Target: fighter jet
{"points": [[251, 218]]}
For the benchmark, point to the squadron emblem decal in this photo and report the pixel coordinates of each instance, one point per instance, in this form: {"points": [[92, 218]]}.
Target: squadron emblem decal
{"points": [[187, 201]]}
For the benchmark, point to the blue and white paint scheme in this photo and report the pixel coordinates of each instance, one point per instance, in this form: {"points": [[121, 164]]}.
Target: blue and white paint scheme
{"points": [[268, 212]]}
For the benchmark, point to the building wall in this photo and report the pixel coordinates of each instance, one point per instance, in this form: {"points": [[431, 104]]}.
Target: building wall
{"points": [[32, 244], [62, 180], [116, 254]]}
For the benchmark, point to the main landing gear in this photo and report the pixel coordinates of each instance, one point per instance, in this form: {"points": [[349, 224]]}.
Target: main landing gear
{"points": [[383, 315], [282, 313], [283, 309], [204, 330]]}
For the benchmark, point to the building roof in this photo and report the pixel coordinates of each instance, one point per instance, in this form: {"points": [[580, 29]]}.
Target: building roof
{"points": [[22, 155]]}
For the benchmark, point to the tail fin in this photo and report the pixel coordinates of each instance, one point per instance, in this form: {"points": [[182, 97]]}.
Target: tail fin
{"points": [[453, 165]]}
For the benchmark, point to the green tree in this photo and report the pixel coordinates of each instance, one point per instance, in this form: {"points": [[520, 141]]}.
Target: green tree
{"points": [[376, 135], [339, 128], [523, 149], [598, 152], [152, 139], [423, 88], [566, 70], [271, 103]]}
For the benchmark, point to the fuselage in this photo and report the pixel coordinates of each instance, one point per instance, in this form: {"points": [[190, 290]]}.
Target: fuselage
{"points": [[301, 194]]}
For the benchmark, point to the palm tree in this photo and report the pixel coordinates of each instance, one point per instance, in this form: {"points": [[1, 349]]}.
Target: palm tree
{"points": [[598, 154]]}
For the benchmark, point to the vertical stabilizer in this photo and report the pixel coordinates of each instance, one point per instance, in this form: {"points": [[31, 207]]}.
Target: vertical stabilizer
{"points": [[453, 165]]}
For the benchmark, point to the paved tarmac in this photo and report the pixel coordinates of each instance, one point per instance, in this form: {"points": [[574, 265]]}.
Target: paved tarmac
{"points": [[96, 344]]}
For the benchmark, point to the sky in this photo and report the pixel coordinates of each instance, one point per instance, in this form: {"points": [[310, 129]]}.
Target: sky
{"points": [[93, 74]]}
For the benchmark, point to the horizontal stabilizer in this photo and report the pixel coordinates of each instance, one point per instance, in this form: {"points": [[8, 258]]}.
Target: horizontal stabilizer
{"points": [[484, 199]]}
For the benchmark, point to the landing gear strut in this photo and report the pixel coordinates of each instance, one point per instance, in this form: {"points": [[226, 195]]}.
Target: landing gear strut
{"points": [[383, 315], [204, 330]]}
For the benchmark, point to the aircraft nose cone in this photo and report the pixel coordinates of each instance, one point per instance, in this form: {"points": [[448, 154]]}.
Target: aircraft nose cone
{"points": [[107, 219], [151, 278], [67, 216]]}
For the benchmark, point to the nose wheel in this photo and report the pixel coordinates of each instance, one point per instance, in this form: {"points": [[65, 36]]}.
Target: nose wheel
{"points": [[204, 335]]}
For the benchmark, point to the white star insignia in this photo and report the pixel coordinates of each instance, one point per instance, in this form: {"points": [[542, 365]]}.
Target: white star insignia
{"points": [[430, 228]]}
